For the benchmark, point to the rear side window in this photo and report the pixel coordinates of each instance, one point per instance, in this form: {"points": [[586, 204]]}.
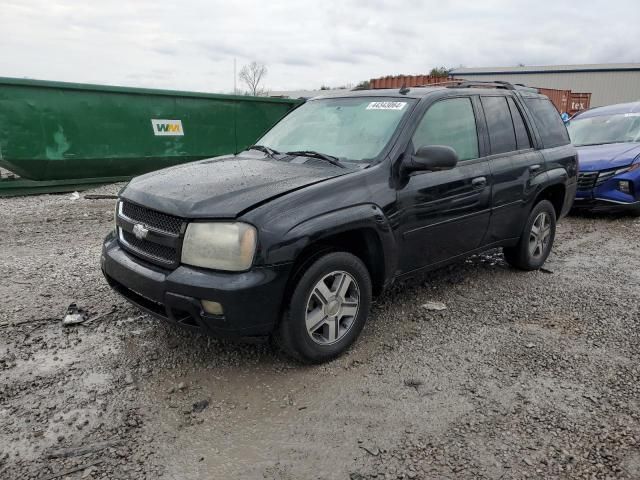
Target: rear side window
{"points": [[452, 123], [501, 134], [522, 136], [548, 121]]}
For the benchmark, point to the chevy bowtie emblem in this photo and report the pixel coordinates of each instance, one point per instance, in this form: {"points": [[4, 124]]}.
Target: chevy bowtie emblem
{"points": [[140, 231]]}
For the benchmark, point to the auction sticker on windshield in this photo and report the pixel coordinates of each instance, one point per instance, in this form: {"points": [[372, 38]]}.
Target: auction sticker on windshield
{"points": [[386, 105]]}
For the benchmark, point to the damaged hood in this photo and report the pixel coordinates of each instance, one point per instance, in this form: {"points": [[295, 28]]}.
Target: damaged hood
{"points": [[603, 157], [223, 187]]}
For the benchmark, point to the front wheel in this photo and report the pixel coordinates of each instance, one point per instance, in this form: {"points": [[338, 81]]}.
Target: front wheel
{"points": [[536, 240], [328, 309]]}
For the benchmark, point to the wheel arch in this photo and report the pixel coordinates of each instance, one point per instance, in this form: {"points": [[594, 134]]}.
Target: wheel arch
{"points": [[556, 194], [361, 230]]}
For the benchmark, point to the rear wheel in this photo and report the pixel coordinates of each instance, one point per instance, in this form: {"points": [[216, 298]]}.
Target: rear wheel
{"points": [[536, 240], [327, 310]]}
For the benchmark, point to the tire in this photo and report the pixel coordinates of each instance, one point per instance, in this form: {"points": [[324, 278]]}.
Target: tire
{"points": [[531, 251], [315, 329]]}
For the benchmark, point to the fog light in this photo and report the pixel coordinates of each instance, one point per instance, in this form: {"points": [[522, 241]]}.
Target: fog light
{"points": [[214, 308], [624, 186]]}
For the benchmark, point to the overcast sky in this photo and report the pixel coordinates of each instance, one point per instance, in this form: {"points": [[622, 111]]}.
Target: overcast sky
{"points": [[191, 44]]}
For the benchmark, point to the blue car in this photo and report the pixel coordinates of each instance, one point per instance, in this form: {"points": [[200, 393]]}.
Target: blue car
{"points": [[608, 144]]}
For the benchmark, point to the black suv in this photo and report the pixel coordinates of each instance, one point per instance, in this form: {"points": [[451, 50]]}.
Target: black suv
{"points": [[345, 195]]}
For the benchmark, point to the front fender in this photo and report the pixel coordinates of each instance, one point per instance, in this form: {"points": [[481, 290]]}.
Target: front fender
{"points": [[316, 229]]}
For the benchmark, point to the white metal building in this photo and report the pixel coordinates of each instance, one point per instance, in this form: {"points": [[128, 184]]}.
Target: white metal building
{"points": [[608, 83]]}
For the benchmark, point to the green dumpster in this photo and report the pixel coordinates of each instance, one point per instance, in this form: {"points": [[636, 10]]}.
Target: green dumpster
{"points": [[61, 131]]}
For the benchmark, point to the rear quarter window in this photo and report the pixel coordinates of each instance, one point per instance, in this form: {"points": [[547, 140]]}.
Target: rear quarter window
{"points": [[547, 119]]}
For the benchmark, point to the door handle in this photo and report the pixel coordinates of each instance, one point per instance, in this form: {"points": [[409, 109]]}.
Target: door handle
{"points": [[534, 168], [479, 182]]}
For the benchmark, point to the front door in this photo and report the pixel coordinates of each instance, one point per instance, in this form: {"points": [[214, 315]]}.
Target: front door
{"points": [[445, 214]]}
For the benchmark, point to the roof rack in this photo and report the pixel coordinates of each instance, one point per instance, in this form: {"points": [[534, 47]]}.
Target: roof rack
{"points": [[526, 88], [494, 84], [446, 83], [481, 84]]}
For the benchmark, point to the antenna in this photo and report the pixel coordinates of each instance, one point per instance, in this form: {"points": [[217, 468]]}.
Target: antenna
{"points": [[403, 89]]}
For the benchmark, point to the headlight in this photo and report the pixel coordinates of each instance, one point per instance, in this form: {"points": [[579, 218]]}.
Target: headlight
{"points": [[219, 245]]}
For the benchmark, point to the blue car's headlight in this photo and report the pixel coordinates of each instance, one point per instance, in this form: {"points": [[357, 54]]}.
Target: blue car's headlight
{"points": [[634, 166]]}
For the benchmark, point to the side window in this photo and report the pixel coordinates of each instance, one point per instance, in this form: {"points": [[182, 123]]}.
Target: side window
{"points": [[501, 134], [452, 123], [550, 125], [522, 137]]}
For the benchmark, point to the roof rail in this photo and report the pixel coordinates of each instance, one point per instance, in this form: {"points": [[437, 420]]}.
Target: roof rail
{"points": [[494, 84], [440, 84], [526, 88], [480, 84]]}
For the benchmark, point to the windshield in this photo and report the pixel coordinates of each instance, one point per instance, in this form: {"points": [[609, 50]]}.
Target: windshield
{"points": [[622, 127], [355, 129]]}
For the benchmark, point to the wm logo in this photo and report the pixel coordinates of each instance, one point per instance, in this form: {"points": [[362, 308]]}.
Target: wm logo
{"points": [[167, 127]]}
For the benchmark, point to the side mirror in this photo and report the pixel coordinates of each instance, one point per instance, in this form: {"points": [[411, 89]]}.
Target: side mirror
{"points": [[432, 158]]}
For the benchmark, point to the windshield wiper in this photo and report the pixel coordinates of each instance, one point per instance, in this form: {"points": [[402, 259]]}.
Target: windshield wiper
{"points": [[261, 148], [323, 156]]}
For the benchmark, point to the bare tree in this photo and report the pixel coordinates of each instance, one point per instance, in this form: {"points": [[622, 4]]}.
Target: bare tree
{"points": [[252, 75]]}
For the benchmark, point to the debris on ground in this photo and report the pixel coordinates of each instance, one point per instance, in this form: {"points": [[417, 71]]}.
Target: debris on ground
{"points": [[74, 315], [413, 383], [434, 306], [371, 451], [74, 196], [100, 197], [200, 405]]}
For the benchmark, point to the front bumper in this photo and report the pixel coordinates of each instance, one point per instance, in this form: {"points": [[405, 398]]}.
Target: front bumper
{"points": [[252, 301], [608, 196], [597, 204]]}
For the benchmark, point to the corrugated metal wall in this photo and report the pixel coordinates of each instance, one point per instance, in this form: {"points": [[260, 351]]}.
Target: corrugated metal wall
{"points": [[606, 88]]}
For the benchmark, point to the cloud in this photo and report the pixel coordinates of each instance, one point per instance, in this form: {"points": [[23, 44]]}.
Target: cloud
{"points": [[191, 45]]}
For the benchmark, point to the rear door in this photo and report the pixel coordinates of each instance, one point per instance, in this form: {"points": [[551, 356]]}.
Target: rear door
{"points": [[514, 164], [560, 157], [445, 214]]}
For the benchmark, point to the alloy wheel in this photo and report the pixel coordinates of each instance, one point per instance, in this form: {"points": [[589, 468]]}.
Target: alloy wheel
{"points": [[332, 307], [540, 235]]}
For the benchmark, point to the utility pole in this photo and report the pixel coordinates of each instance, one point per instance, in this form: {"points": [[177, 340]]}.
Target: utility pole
{"points": [[235, 92]]}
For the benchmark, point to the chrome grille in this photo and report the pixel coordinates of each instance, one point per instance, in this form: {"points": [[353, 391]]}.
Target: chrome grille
{"points": [[151, 218], [160, 253], [151, 235]]}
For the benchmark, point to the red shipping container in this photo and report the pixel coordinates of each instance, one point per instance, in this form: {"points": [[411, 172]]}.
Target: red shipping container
{"points": [[579, 101], [559, 98]]}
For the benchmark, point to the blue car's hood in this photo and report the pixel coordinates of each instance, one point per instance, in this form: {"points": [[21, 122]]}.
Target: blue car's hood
{"points": [[603, 157]]}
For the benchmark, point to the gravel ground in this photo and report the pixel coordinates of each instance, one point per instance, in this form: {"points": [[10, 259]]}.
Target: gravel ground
{"points": [[523, 375]]}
